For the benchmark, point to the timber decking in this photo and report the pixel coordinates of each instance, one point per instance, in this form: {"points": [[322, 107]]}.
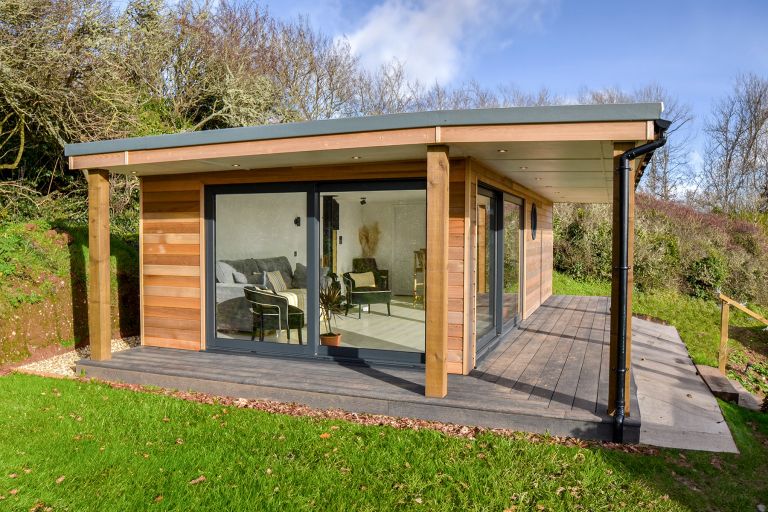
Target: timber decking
{"points": [[549, 375]]}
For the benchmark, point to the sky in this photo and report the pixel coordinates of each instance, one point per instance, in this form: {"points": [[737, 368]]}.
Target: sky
{"points": [[694, 49]]}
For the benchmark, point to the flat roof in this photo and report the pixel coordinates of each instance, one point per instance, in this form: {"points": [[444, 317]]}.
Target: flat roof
{"points": [[472, 117]]}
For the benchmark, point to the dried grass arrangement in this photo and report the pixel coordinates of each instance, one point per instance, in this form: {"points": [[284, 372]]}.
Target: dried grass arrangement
{"points": [[369, 239]]}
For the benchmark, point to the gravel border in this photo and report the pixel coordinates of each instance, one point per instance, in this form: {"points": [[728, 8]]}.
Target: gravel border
{"points": [[64, 364]]}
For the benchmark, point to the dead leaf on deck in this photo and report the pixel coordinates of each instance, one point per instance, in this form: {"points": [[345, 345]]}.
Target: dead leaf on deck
{"points": [[60, 479], [197, 480]]}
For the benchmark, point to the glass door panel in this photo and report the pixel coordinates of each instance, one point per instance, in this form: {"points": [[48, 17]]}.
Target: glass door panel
{"points": [[257, 273], [510, 301], [373, 249], [485, 268]]}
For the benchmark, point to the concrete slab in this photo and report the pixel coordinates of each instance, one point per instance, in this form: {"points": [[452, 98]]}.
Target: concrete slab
{"points": [[677, 408]]}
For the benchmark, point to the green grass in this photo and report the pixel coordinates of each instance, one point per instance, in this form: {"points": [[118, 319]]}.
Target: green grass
{"points": [[697, 320], [122, 450]]}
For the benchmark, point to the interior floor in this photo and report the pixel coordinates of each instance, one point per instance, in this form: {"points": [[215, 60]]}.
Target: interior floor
{"points": [[404, 330]]}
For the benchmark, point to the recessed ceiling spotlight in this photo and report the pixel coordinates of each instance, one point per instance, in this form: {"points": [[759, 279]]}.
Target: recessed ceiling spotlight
{"points": [[356, 157], [235, 165], [523, 167], [133, 172], [539, 178], [501, 150]]}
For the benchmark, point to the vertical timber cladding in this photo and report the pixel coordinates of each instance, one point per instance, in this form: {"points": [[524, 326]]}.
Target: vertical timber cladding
{"points": [[171, 263]]}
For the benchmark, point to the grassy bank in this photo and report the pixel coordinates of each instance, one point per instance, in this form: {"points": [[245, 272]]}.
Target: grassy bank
{"points": [[87, 446], [698, 322], [43, 286]]}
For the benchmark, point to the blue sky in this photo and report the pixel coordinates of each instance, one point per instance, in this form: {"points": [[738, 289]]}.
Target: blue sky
{"points": [[692, 48]]}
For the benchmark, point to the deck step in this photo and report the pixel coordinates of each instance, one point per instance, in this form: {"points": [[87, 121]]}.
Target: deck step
{"points": [[718, 384]]}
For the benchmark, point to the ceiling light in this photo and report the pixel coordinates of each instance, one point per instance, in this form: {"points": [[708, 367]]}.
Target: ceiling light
{"points": [[235, 165], [539, 178], [356, 157], [133, 172], [501, 150], [523, 167]]}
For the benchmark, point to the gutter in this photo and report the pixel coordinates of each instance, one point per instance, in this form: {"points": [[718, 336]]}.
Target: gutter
{"points": [[622, 269]]}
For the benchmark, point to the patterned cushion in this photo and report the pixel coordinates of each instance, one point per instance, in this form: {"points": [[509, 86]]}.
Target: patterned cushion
{"points": [[239, 277], [276, 281], [363, 279]]}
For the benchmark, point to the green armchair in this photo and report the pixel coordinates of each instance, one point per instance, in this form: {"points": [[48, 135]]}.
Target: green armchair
{"points": [[362, 293], [272, 312]]}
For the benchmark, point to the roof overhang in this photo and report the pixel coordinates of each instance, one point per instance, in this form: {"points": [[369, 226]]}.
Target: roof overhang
{"points": [[564, 153]]}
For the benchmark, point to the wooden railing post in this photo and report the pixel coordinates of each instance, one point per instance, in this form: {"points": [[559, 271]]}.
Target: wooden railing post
{"points": [[727, 302], [722, 354]]}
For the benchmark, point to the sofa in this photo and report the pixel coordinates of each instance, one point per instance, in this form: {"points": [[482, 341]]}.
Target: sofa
{"points": [[233, 311]]}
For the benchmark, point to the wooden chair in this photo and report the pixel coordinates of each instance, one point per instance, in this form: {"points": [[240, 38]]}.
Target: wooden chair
{"points": [[272, 312]]}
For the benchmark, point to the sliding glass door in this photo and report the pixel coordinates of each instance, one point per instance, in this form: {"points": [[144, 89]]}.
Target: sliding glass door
{"points": [[280, 255], [259, 266], [497, 266], [511, 234], [485, 267]]}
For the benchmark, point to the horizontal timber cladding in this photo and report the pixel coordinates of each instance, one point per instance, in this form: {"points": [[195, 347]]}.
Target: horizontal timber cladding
{"points": [[458, 227], [173, 244], [171, 263]]}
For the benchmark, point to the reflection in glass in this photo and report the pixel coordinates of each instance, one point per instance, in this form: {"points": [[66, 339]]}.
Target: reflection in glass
{"points": [[484, 266], [374, 248], [260, 266], [510, 291]]}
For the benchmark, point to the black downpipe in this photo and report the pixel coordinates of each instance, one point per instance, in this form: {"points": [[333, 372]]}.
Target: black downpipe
{"points": [[622, 269]]}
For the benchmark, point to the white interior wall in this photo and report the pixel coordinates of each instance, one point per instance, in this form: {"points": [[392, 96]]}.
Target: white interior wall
{"points": [[261, 226]]}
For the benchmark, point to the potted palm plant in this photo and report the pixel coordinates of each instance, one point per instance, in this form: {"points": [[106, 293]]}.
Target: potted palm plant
{"points": [[331, 300]]}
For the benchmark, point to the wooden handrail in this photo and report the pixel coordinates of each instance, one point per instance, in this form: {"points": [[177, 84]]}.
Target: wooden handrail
{"points": [[726, 302]]}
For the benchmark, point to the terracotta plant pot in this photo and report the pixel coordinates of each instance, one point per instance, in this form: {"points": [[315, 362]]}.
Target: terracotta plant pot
{"points": [[330, 339]]}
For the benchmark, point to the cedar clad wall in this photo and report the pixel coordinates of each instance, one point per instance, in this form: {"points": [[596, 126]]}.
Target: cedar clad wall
{"points": [[538, 256], [171, 263], [459, 267], [172, 241]]}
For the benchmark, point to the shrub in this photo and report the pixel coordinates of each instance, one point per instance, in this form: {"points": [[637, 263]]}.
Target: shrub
{"points": [[705, 276], [676, 247]]}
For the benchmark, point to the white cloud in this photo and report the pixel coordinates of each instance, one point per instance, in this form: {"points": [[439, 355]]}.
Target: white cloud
{"points": [[432, 37]]}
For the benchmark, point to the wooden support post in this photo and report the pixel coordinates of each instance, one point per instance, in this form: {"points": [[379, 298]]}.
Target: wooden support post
{"points": [[722, 353], [618, 149], [436, 379], [99, 307]]}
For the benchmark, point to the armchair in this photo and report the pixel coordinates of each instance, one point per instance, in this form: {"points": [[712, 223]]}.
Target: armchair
{"points": [[361, 265], [360, 293], [271, 311]]}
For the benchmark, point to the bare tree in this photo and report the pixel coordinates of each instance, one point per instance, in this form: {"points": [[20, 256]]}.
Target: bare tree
{"points": [[735, 170], [668, 174]]}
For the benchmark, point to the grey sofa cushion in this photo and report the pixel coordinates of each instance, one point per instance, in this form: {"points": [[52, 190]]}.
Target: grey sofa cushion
{"points": [[299, 276], [280, 263], [225, 272], [239, 277]]}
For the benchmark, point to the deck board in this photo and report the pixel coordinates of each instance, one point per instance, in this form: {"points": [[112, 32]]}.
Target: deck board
{"points": [[549, 374]]}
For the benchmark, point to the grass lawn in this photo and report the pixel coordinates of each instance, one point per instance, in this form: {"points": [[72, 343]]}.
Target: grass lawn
{"points": [[73, 445], [698, 322]]}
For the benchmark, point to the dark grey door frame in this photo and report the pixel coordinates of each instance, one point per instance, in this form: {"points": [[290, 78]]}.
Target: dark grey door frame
{"points": [[212, 340], [488, 342], [312, 348]]}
